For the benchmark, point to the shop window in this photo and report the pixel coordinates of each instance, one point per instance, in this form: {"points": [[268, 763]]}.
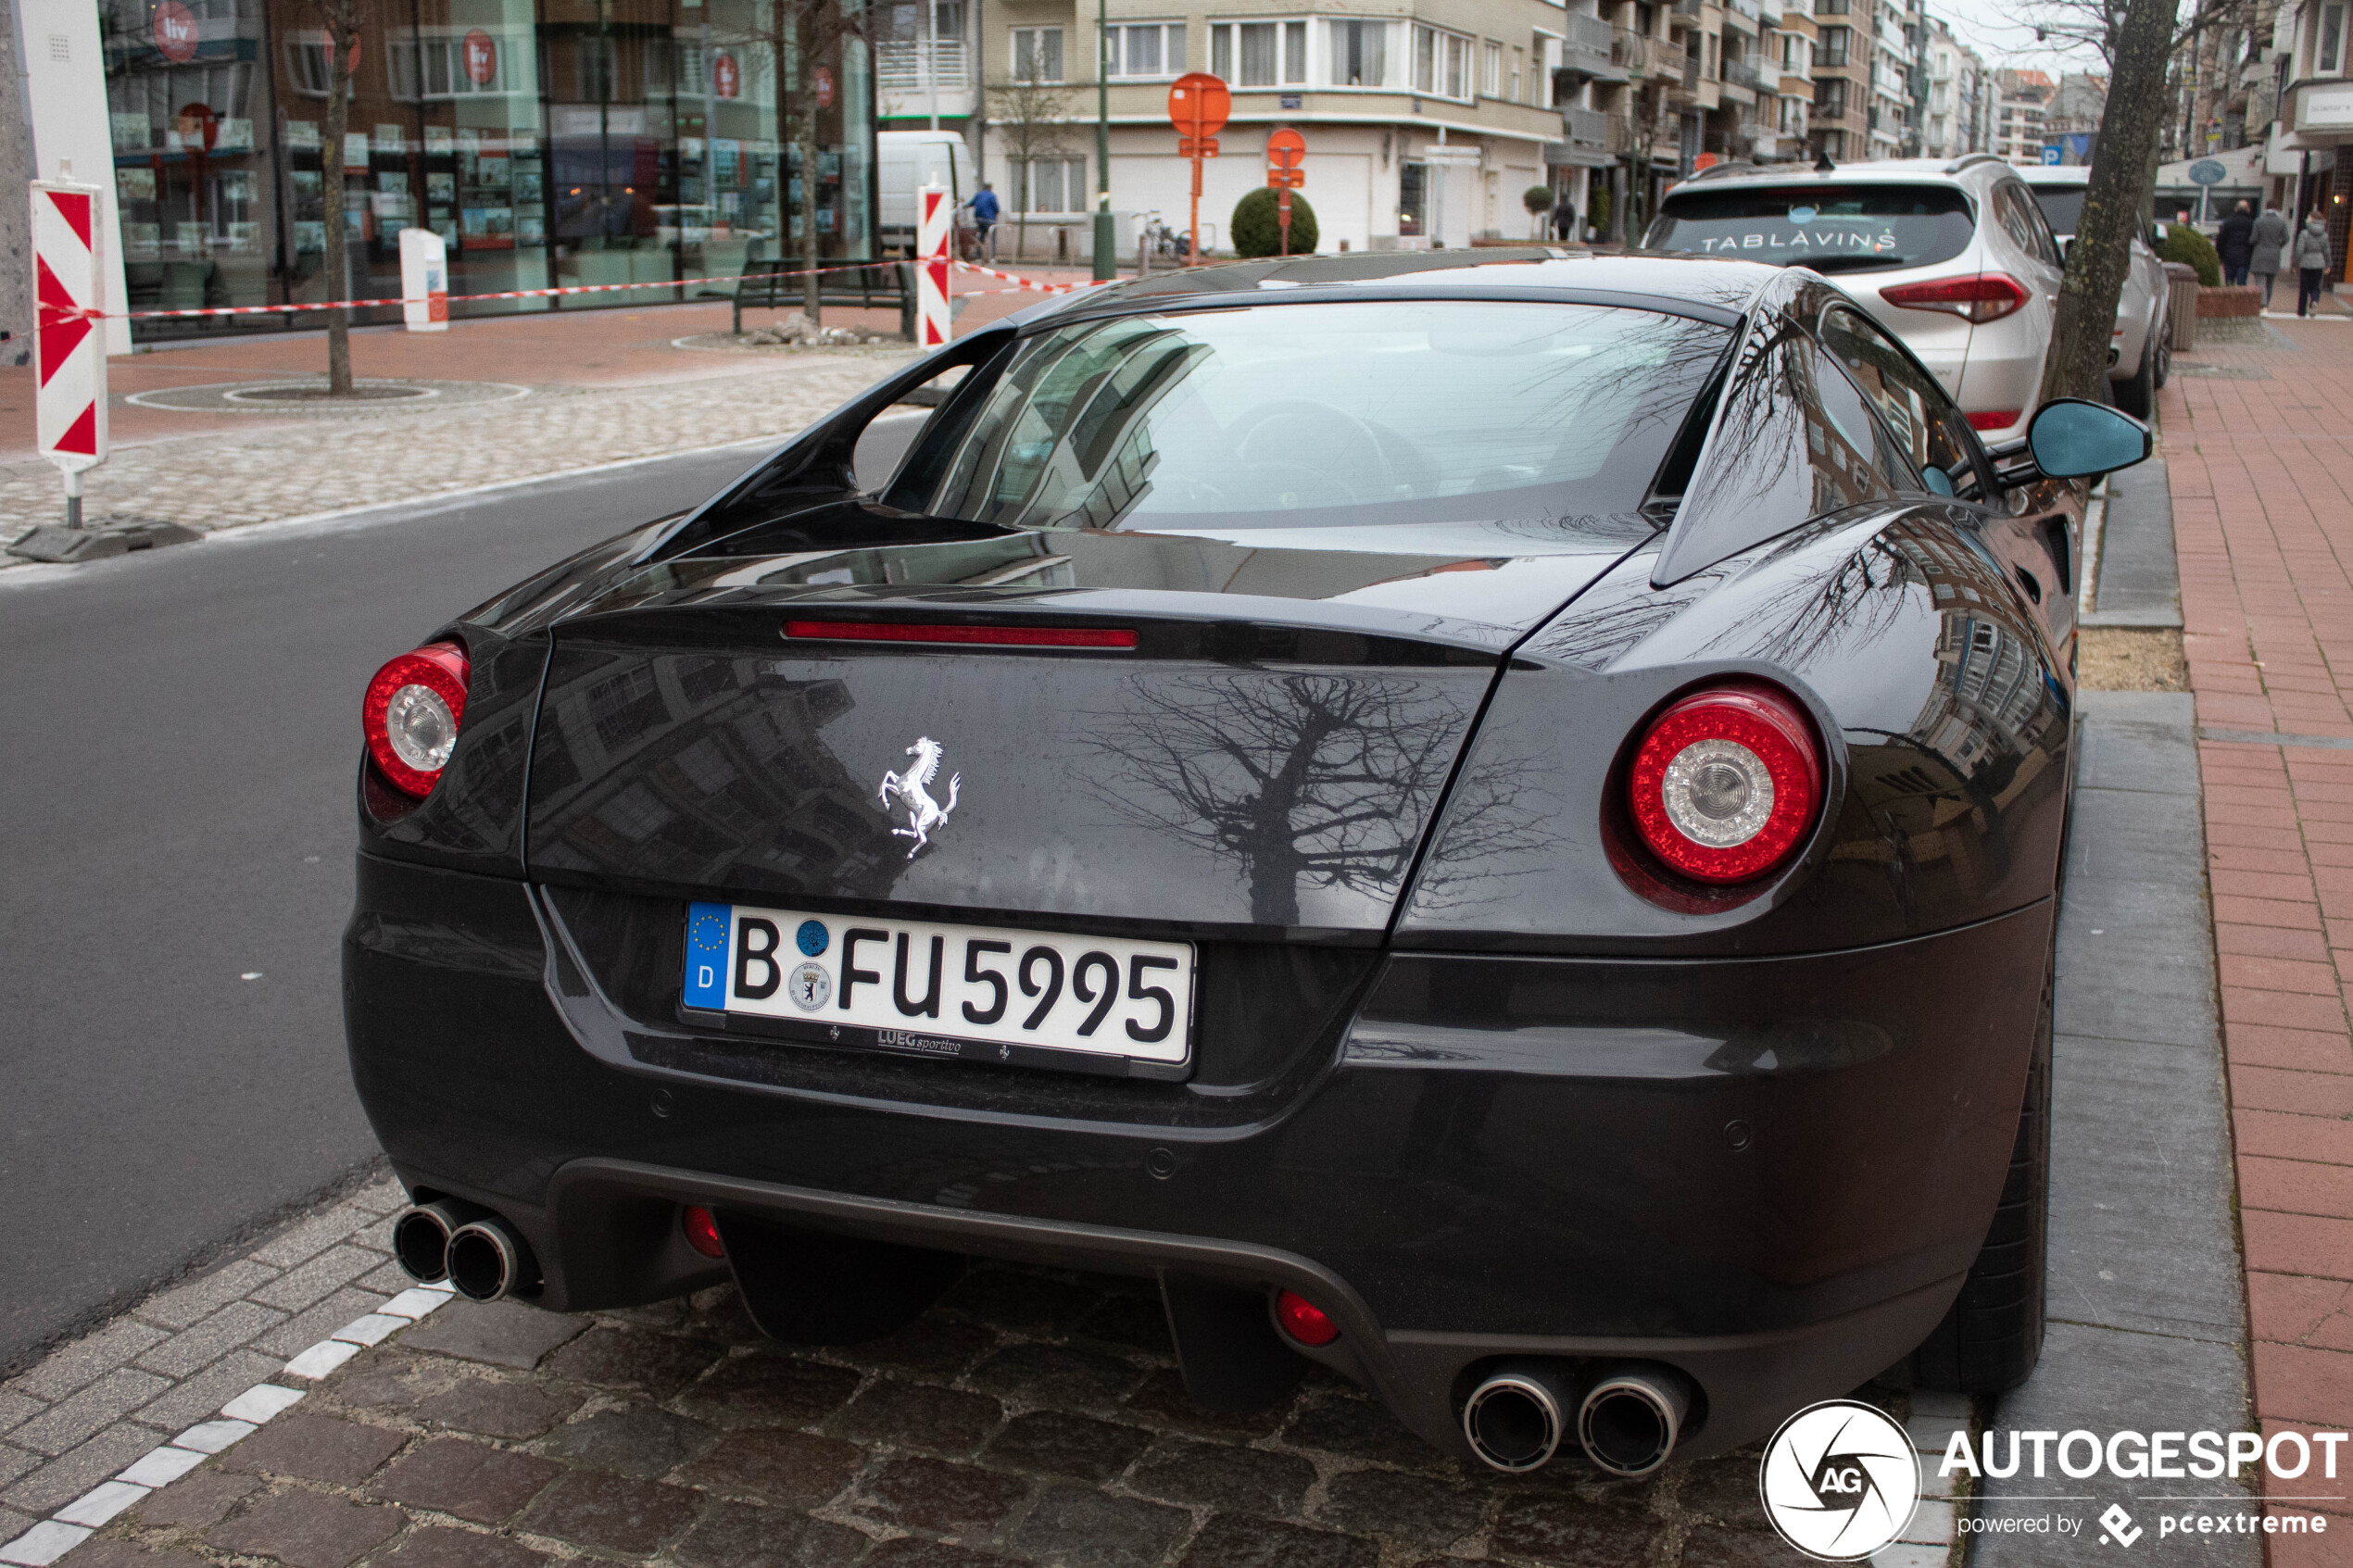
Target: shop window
{"points": [[1144, 49], [1412, 197], [1037, 54], [1359, 54]]}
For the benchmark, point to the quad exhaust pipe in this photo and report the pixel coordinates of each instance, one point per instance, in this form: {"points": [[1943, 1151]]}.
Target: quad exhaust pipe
{"points": [[482, 1256], [1627, 1417]]}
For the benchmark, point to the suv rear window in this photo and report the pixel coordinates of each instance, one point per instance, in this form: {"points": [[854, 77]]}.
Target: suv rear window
{"points": [[1828, 228], [2062, 205]]}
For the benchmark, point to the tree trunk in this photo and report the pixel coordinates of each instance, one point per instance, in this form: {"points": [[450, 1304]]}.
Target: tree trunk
{"points": [[806, 79], [2077, 363], [340, 34]]}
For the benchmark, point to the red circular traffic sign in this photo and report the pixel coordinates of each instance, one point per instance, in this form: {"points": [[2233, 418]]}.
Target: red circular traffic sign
{"points": [[481, 53], [824, 88], [725, 77], [1198, 104], [175, 31]]}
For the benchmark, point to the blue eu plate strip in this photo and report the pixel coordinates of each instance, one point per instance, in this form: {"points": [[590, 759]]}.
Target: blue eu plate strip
{"points": [[707, 955]]}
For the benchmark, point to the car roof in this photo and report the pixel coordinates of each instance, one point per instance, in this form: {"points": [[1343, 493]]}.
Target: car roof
{"points": [[1894, 170], [2056, 174], [1717, 290]]}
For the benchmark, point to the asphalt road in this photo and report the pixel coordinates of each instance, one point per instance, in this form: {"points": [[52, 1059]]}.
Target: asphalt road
{"points": [[175, 865]]}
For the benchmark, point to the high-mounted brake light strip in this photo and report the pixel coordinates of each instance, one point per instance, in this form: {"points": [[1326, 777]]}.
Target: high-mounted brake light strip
{"points": [[936, 631]]}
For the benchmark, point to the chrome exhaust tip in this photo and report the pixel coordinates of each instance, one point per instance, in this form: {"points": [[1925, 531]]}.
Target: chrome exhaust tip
{"points": [[488, 1260], [1632, 1416], [420, 1237], [1515, 1420]]}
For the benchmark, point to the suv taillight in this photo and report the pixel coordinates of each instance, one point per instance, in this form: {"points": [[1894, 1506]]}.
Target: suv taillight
{"points": [[1726, 782], [1988, 296], [411, 713]]}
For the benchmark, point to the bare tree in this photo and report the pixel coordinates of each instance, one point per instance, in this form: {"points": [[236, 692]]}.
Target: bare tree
{"points": [[341, 21], [801, 36], [1031, 114]]}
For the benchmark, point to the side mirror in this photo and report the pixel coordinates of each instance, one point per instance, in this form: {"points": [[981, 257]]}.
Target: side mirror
{"points": [[2072, 439]]}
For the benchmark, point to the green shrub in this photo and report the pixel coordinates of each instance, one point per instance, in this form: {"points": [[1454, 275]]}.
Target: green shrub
{"points": [[1537, 198], [1597, 209], [2185, 244], [1256, 232]]}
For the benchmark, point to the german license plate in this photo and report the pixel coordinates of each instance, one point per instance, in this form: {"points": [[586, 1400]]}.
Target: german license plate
{"points": [[971, 992]]}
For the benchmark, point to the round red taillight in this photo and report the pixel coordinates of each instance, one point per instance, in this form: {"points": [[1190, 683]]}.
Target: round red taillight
{"points": [[1302, 1320], [702, 1231], [411, 713], [1727, 781]]}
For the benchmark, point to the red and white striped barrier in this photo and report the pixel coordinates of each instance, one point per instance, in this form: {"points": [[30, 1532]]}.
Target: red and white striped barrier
{"points": [[933, 223], [70, 351], [1021, 284]]}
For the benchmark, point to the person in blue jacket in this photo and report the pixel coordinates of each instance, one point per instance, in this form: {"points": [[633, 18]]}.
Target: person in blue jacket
{"points": [[984, 212]]}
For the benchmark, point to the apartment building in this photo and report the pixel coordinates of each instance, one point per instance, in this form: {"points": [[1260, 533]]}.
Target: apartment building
{"points": [[1425, 124], [2309, 152], [1792, 48], [1890, 77], [1954, 113], [1841, 121], [2021, 99]]}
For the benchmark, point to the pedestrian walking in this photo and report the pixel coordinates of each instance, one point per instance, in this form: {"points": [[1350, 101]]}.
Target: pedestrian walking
{"points": [[2311, 263], [2270, 238], [984, 212], [1564, 218], [2235, 244]]}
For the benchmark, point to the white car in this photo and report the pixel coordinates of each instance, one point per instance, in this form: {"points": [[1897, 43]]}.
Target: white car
{"points": [[2141, 350], [1955, 258]]}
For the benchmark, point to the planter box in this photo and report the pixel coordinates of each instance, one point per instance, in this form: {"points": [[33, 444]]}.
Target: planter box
{"points": [[2245, 302]]}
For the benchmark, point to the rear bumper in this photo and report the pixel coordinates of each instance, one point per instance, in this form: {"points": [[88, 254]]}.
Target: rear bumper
{"points": [[1771, 1174]]}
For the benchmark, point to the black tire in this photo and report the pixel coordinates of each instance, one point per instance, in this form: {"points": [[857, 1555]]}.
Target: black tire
{"points": [[1991, 1338], [2164, 355], [2138, 396]]}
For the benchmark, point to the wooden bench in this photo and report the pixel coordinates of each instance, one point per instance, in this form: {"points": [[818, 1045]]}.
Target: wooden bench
{"points": [[875, 285]]}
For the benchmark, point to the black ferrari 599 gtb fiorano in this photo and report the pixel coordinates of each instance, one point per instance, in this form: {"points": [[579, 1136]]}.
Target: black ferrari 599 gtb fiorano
{"points": [[1491, 823]]}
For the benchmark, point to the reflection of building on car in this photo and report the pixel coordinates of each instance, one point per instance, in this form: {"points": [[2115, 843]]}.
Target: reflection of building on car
{"points": [[1954, 258], [1449, 812], [2141, 348]]}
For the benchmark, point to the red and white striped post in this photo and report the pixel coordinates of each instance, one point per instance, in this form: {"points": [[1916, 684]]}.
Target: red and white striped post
{"points": [[69, 343], [933, 221]]}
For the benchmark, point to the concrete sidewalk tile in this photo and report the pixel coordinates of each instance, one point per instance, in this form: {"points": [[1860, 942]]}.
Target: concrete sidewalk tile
{"points": [[161, 1466], [2291, 1010], [196, 1396], [317, 1279], [101, 1503], [75, 1472], [306, 1238], [87, 1360], [2232, 940], [43, 1544], [2295, 1187], [318, 1322], [2302, 1050], [371, 1329], [18, 1409], [2317, 979], [212, 1436], [74, 1418], [206, 1341], [2298, 913], [321, 1359], [191, 1304], [2304, 1244], [2296, 1383], [262, 1402], [2309, 1093], [1932, 1524]]}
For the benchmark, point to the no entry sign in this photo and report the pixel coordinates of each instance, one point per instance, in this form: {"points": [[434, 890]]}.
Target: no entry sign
{"points": [[69, 352]]}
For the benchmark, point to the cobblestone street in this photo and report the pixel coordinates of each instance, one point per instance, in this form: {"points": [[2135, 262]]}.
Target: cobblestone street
{"points": [[1032, 1417]]}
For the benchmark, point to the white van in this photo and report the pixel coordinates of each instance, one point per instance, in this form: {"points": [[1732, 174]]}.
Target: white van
{"points": [[910, 160]]}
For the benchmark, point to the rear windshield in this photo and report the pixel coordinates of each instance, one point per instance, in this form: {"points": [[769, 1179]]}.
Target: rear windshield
{"points": [[1334, 414], [2061, 205], [1828, 228]]}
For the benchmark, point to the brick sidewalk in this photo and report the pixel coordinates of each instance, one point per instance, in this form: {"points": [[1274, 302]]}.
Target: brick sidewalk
{"points": [[2262, 479]]}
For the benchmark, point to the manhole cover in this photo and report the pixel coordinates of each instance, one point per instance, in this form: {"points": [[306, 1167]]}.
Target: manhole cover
{"points": [[308, 397], [321, 395]]}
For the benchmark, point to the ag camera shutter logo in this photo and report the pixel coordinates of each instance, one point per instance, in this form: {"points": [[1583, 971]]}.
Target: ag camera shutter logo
{"points": [[1840, 1480]]}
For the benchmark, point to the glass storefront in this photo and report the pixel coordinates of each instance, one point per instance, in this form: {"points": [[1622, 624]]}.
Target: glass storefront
{"points": [[551, 142]]}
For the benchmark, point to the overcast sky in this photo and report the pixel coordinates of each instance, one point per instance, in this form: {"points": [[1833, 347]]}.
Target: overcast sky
{"points": [[1992, 29]]}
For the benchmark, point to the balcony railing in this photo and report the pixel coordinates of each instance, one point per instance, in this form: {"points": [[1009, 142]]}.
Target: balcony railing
{"points": [[1586, 128], [1643, 57], [1585, 47], [899, 68], [1741, 73]]}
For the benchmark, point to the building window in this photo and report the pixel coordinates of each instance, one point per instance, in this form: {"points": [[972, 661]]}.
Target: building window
{"points": [[1519, 64], [1259, 54], [1831, 51], [1490, 69], [2331, 57], [1412, 187], [1144, 49], [1052, 184], [1359, 54], [1442, 63], [1037, 54], [1829, 98], [450, 68]]}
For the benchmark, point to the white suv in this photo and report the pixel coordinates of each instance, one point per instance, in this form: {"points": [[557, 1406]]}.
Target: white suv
{"points": [[1954, 258], [2140, 351]]}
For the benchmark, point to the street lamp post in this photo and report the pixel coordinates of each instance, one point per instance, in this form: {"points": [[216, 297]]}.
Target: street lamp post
{"points": [[1106, 256]]}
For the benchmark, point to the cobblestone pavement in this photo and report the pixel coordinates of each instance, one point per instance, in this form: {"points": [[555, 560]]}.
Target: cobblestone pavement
{"points": [[1032, 1418], [227, 480]]}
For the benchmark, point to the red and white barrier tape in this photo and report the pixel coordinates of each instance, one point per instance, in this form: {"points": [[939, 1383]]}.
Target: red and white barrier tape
{"points": [[291, 309], [1020, 285]]}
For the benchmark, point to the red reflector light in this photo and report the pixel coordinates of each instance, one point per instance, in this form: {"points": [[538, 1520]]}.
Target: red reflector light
{"points": [[1993, 418], [1302, 1320], [1988, 296], [702, 1231], [1727, 781], [410, 716], [944, 632]]}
